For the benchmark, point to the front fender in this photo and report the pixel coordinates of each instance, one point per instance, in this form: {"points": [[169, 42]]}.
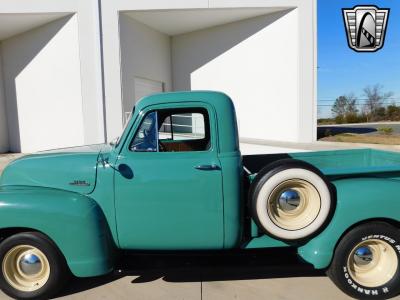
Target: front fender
{"points": [[358, 199], [74, 222]]}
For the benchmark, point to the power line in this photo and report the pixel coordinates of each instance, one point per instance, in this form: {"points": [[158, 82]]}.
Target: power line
{"points": [[357, 99], [360, 104]]}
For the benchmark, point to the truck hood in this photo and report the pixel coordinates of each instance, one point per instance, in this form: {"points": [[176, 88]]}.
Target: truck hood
{"points": [[71, 169]]}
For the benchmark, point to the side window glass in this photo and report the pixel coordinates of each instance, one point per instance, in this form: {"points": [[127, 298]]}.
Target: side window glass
{"points": [[165, 132], [184, 130], [146, 139], [188, 126]]}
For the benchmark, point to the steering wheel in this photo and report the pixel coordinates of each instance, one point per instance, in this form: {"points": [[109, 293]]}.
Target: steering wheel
{"points": [[145, 134]]}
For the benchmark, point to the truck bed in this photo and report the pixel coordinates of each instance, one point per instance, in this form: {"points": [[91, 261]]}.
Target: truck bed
{"points": [[337, 162]]}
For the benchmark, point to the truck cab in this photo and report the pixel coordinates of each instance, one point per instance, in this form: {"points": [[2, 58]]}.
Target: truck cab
{"points": [[180, 174]]}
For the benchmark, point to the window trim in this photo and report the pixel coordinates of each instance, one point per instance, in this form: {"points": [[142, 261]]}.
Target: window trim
{"points": [[157, 107], [137, 132]]}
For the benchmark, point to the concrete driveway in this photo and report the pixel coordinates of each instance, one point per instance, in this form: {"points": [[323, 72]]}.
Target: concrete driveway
{"points": [[135, 287], [257, 275]]}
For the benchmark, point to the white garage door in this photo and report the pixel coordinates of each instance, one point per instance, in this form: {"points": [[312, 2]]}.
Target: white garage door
{"points": [[144, 87]]}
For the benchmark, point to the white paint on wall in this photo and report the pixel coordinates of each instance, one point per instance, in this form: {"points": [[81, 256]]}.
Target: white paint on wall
{"points": [[17, 23], [124, 54], [307, 45], [174, 22], [111, 12], [301, 27], [4, 147], [145, 87], [43, 87], [90, 44], [255, 61], [145, 54], [21, 16]]}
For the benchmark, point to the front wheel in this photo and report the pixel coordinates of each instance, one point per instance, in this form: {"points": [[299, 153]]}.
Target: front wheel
{"points": [[366, 262], [32, 267]]}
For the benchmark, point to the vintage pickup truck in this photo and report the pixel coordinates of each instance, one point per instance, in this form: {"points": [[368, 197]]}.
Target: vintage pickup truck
{"points": [[176, 180]]}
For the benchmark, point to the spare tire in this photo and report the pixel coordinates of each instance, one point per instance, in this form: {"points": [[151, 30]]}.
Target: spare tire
{"points": [[290, 199]]}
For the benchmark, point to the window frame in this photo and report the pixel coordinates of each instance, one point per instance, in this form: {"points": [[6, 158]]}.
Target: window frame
{"points": [[180, 114], [178, 106], [138, 129]]}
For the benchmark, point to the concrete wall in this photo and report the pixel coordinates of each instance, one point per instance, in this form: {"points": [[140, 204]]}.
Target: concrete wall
{"points": [[255, 61], [108, 53], [4, 147], [112, 38], [296, 116], [43, 87], [22, 14], [145, 53], [307, 58]]}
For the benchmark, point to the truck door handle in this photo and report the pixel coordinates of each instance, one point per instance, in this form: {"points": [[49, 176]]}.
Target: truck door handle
{"points": [[208, 167]]}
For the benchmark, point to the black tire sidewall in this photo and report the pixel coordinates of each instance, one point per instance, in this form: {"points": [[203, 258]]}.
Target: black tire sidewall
{"points": [[58, 269], [343, 278]]}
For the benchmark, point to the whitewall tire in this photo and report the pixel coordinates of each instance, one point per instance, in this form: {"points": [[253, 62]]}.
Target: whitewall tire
{"points": [[291, 202]]}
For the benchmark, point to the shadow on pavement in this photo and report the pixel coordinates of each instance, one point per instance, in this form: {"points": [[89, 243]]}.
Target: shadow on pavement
{"points": [[194, 267], [334, 130]]}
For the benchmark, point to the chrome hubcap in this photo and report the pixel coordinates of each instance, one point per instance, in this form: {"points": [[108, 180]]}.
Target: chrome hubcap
{"points": [[26, 268], [289, 200], [372, 263], [30, 264], [294, 204], [363, 256]]}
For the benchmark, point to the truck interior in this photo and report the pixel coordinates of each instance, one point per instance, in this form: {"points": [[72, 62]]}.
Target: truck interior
{"points": [[174, 130]]}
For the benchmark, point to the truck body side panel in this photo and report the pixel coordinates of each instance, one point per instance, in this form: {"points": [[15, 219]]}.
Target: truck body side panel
{"points": [[75, 223], [234, 205], [359, 199], [354, 162]]}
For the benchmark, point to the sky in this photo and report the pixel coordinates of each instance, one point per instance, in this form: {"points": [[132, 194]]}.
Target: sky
{"points": [[342, 70]]}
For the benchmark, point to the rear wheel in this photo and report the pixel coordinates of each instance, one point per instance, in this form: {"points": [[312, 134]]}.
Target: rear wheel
{"points": [[366, 262], [290, 200], [31, 266]]}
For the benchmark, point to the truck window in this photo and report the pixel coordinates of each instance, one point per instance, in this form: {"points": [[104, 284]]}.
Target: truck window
{"points": [[178, 130], [183, 130], [145, 139]]}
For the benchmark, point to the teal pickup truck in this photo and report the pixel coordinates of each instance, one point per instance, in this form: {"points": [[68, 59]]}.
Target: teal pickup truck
{"points": [[176, 180]]}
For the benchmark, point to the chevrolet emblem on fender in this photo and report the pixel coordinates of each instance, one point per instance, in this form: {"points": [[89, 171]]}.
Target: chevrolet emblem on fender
{"points": [[80, 183]]}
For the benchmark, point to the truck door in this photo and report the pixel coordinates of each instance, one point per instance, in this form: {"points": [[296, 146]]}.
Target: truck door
{"points": [[168, 192]]}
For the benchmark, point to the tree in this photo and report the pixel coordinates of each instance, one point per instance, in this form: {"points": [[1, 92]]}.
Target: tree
{"points": [[393, 112], [345, 108], [351, 104], [375, 98], [339, 107]]}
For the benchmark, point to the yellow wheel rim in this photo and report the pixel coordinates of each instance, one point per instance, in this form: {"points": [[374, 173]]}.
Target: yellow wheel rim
{"points": [[26, 268], [372, 263], [294, 204]]}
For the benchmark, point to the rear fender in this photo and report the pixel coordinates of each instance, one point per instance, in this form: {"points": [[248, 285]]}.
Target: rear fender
{"points": [[74, 222], [358, 200]]}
